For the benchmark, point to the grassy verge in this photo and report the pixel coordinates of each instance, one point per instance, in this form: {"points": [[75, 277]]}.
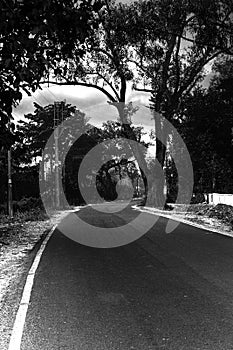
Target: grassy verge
{"points": [[222, 212], [218, 216], [16, 230]]}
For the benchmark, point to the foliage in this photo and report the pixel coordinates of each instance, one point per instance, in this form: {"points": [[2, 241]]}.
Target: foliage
{"points": [[176, 41], [27, 204], [223, 212], [34, 132], [104, 64], [206, 126], [33, 34], [171, 43], [98, 44]]}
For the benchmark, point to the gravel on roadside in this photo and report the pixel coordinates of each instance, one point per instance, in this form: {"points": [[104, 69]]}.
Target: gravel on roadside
{"points": [[18, 239], [217, 218]]}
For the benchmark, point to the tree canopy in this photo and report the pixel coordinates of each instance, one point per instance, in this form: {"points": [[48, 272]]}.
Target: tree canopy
{"points": [[34, 34], [156, 46], [207, 125]]}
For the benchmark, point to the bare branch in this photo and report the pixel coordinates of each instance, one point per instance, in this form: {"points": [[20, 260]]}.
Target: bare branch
{"points": [[105, 53], [195, 71], [177, 64], [109, 84], [138, 65], [106, 93], [143, 89]]}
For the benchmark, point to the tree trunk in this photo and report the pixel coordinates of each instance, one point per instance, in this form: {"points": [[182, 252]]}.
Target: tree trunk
{"points": [[139, 156], [156, 195], [154, 185]]}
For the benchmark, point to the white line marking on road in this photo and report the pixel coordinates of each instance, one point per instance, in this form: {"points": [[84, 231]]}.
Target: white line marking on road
{"points": [[17, 332], [183, 221]]}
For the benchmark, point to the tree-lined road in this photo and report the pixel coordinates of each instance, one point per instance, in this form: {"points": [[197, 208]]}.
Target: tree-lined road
{"points": [[164, 291]]}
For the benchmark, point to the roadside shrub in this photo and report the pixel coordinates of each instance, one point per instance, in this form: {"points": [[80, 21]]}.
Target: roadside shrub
{"points": [[223, 212], [3, 208], [35, 214], [198, 198], [26, 204]]}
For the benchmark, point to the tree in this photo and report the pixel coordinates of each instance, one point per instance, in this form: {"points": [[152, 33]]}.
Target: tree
{"points": [[169, 42], [32, 34], [207, 124], [33, 134], [109, 167], [172, 43], [120, 168], [35, 131], [105, 65]]}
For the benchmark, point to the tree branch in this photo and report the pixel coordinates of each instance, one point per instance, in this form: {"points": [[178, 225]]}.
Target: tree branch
{"points": [[123, 89], [196, 70], [106, 81], [105, 53], [177, 64], [138, 65], [143, 89], [109, 84], [106, 93]]}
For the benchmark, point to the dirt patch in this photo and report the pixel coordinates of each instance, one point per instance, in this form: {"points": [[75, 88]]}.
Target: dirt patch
{"points": [[222, 212], [19, 239], [218, 217]]}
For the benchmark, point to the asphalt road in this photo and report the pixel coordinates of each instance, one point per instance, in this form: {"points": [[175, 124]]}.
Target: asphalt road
{"points": [[164, 291]]}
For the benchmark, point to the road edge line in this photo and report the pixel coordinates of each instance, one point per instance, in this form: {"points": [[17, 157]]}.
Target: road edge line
{"points": [[20, 318], [184, 221]]}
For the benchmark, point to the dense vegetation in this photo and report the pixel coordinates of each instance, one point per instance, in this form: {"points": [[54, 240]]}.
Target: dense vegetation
{"points": [[155, 46]]}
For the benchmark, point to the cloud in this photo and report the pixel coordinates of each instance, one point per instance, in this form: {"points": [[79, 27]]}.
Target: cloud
{"points": [[92, 102], [80, 97]]}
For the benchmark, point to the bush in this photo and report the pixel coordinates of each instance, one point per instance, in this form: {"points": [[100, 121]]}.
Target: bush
{"points": [[222, 212], [198, 198], [26, 204], [35, 214], [3, 208]]}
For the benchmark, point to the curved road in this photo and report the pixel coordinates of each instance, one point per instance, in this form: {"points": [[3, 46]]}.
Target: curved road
{"points": [[164, 291]]}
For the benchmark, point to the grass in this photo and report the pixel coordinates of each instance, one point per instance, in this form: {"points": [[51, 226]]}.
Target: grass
{"points": [[35, 214]]}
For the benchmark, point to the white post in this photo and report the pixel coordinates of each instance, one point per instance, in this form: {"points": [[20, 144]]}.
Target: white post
{"points": [[57, 195], [10, 202]]}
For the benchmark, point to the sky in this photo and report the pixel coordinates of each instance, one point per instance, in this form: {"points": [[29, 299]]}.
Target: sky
{"points": [[94, 104], [90, 101]]}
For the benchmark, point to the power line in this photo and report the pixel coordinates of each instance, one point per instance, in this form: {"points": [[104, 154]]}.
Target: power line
{"points": [[44, 97], [40, 95], [36, 100], [51, 93], [7, 5]]}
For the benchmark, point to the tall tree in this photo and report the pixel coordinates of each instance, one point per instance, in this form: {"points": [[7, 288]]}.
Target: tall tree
{"points": [[207, 125], [32, 34], [33, 134], [169, 43], [173, 41], [105, 65], [121, 165]]}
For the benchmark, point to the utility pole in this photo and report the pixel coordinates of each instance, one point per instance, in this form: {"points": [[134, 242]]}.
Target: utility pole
{"points": [[56, 136], [57, 184], [10, 202], [57, 133]]}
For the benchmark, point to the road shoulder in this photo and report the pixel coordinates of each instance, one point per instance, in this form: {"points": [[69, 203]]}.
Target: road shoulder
{"points": [[203, 222], [16, 257]]}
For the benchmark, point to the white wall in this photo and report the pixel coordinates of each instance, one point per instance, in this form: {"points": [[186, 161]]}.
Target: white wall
{"points": [[217, 198]]}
